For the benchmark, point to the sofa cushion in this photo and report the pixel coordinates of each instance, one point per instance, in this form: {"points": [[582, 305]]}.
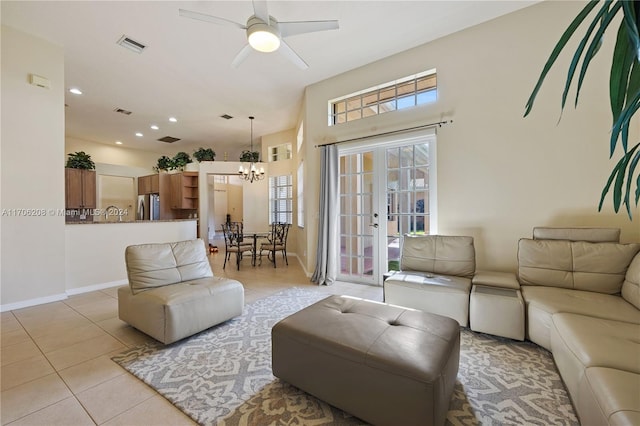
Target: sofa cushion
{"points": [[593, 235], [439, 254], [609, 396], [580, 265], [580, 341], [160, 264], [631, 285], [543, 302]]}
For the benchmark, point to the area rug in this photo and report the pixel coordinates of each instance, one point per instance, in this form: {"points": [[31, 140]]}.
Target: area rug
{"points": [[223, 376]]}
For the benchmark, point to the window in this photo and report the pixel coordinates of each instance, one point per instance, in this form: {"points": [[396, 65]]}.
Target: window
{"points": [[407, 92], [280, 152], [300, 191], [300, 136], [281, 199]]}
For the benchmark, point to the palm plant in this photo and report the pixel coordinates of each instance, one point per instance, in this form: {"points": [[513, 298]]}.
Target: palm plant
{"points": [[624, 86]]}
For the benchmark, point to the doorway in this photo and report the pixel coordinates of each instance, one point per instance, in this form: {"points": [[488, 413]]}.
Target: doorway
{"points": [[387, 190]]}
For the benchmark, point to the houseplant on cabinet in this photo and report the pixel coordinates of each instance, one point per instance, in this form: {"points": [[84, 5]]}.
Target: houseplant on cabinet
{"points": [[250, 156], [164, 164], [204, 154], [180, 160], [80, 160]]}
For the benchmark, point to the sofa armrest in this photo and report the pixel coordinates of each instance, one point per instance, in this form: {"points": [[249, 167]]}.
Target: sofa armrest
{"points": [[496, 279]]}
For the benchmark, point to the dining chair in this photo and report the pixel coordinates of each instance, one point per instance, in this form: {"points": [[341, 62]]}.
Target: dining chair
{"points": [[234, 243], [276, 241]]}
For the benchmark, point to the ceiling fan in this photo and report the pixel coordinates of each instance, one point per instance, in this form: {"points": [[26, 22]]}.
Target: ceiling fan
{"points": [[265, 33]]}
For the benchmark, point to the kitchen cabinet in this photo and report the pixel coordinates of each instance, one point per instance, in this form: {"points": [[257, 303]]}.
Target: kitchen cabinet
{"points": [[148, 184], [80, 189], [184, 190]]}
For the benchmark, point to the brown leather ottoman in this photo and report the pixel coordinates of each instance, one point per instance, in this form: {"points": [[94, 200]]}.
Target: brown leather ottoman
{"points": [[385, 364]]}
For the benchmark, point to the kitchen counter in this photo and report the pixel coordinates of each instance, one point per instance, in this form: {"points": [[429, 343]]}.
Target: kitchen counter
{"points": [[114, 222], [95, 253]]}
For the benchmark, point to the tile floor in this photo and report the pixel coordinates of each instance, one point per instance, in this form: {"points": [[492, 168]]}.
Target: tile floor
{"points": [[55, 366]]}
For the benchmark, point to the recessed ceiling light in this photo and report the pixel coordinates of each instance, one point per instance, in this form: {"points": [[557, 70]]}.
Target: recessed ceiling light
{"points": [[173, 119], [118, 143], [139, 135], [75, 91], [154, 127]]}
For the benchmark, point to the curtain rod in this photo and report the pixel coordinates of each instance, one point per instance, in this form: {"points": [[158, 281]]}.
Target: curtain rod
{"points": [[392, 132]]}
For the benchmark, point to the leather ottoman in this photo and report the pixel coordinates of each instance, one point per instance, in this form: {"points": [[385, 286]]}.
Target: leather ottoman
{"points": [[385, 364]]}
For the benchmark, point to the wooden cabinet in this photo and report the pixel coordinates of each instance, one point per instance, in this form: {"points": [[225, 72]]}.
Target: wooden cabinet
{"points": [[148, 184], [80, 189], [184, 190]]}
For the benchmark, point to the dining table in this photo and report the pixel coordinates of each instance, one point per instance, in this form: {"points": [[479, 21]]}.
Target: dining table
{"points": [[254, 235]]}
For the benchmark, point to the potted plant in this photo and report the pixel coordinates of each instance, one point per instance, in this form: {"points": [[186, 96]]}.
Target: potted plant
{"points": [[164, 164], [80, 160], [250, 156], [180, 160], [204, 154]]}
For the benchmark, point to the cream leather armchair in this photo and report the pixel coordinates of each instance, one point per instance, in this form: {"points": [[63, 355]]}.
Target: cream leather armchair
{"points": [[435, 275]]}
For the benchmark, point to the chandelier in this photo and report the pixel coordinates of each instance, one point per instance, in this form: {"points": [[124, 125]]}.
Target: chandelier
{"points": [[251, 173]]}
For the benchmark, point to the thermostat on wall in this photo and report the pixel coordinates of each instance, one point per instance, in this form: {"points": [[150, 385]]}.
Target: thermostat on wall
{"points": [[36, 80]]}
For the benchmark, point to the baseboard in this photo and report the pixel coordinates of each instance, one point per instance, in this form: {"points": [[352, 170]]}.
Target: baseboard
{"points": [[58, 297], [95, 287], [33, 302]]}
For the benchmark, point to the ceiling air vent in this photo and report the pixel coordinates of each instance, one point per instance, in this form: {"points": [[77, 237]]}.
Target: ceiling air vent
{"points": [[122, 111], [169, 139], [226, 116], [131, 44]]}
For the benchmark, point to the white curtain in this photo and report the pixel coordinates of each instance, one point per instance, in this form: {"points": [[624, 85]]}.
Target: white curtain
{"points": [[327, 256]]}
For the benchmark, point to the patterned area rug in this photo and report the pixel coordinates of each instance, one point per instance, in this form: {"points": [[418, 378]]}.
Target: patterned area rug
{"points": [[222, 376]]}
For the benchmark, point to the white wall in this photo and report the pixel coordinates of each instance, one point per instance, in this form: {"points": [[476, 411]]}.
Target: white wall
{"points": [[32, 169], [499, 175], [95, 252]]}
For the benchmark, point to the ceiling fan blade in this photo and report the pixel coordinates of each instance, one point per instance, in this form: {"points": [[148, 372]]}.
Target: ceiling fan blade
{"points": [[302, 27], [260, 10], [241, 56], [292, 55], [208, 18]]}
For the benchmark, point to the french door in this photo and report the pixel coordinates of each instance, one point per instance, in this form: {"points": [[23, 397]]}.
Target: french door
{"points": [[387, 189]]}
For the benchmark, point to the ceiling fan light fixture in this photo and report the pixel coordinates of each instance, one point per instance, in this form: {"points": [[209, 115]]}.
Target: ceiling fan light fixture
{"points": [[262, 37]]}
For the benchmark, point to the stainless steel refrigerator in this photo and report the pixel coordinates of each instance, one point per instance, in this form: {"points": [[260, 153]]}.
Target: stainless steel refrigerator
{"points": [[149, 207]]}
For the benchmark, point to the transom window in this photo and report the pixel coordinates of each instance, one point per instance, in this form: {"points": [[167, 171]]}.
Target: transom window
{"points": [[407, 92], [280, 152], [281, 199]]}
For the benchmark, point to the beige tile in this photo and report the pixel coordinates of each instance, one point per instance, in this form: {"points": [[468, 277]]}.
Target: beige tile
{"points": [[124, 332], [19, 352], [83, 351], [86, 298], [114, 397], [98, 311], [88, 374], [111, 291], [64, 413], [14, 337], [24, 371], [8, 322], [60, 323], [60, 338], [155, 411], [30, 397]]}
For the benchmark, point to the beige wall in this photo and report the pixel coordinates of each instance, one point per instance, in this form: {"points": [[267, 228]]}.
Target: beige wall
{"points": [[498, 174], [32, 170], [285, 167], [113, 154]]}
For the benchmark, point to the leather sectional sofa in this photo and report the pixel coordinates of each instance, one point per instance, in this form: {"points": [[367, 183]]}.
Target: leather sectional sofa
{"points": [[581, 289]]}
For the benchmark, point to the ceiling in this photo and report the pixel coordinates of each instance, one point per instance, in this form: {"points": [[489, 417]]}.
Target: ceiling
{"points": [[185, 70]]}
